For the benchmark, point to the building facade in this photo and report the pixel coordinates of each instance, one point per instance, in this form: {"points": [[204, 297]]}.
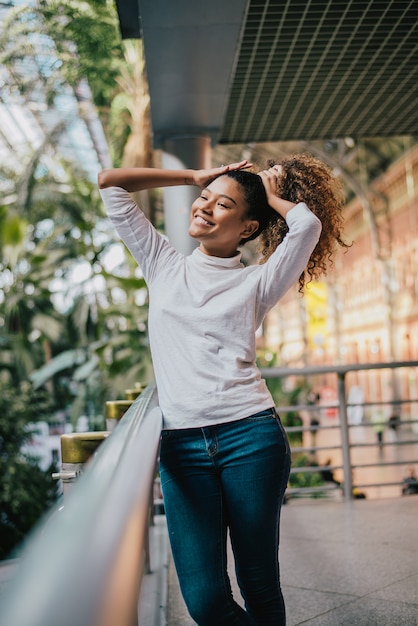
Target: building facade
{"points": [[366, 309]]}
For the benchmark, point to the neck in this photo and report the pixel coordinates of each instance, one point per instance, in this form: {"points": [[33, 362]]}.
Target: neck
{"points": [[223, 254]]}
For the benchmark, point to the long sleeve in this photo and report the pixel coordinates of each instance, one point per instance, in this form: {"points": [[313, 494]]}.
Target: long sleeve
{"points": [[148, 247], [291, 257]]}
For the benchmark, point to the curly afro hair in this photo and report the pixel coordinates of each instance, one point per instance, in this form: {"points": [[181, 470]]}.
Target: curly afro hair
{"points": [[306, 179]]}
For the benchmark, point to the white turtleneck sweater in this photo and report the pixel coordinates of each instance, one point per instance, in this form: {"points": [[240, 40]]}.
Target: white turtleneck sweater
{"points": [[204, 312]]}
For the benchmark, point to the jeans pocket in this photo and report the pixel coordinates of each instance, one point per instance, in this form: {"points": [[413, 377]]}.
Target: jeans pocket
{"points": [[285, 437], [262, 415]]}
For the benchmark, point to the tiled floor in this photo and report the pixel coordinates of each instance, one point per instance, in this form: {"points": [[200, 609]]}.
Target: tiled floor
{"points": [[348, 564], [351, 563]]}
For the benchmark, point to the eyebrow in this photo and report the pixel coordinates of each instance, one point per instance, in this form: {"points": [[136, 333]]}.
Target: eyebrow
{"points": [[221, 195]]}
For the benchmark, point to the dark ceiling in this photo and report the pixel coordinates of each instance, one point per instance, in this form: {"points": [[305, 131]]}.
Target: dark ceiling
{"points": [[279, 70]]}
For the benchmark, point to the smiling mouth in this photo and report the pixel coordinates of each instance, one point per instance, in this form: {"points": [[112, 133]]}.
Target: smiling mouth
{"points": [[202, 220]]}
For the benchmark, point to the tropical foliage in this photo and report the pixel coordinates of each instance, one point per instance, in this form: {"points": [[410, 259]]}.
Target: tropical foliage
{"points": [[73, 306], [25, 490], [57, 293]]}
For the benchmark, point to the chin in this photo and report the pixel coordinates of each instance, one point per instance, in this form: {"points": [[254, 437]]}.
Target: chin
{"points": [[192, 234]]}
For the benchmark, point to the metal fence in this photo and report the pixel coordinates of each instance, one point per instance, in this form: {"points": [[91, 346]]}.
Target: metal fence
{"points": [[83, 566], [361, 474]]}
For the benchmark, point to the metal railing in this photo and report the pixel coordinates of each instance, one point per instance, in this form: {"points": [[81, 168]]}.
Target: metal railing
{"points": [[84, 564], [346, 446]]}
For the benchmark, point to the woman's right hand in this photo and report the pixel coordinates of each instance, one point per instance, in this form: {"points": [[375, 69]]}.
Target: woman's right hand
{"points": [[202, 177]]}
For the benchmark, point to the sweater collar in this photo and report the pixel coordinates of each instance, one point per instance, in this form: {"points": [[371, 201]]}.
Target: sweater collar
{"points": [[215, 261]]}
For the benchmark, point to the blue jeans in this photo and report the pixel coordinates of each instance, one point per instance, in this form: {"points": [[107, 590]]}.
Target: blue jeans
{"points": [[227, 476]]}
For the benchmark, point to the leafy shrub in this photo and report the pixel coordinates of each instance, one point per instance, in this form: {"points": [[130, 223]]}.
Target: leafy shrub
{"points": [[26, 491]]}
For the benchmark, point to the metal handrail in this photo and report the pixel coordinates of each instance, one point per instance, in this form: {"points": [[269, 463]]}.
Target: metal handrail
{"points": [[312, 370], [342, 405], [84, 564]]}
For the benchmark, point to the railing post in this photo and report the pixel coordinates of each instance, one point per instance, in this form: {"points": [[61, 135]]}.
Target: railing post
{"points": [[115, 410], [345, 438], [76, 451]]}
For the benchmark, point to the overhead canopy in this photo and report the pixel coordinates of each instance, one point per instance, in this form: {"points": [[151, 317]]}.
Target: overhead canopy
{"points": [[279, 70]]}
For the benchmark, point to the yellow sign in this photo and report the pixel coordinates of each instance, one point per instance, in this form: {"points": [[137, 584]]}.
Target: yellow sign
{"points": [[316, 299]]}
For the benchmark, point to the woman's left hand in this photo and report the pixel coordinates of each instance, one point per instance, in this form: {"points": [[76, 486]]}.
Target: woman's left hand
{"points": [[270, 178], [202, 177]]}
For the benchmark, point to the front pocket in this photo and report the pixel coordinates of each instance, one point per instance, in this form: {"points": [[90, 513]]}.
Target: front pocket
{"points": [[285, 437], [262, 415]]}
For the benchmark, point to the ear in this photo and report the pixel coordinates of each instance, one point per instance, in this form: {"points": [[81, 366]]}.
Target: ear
{"points": [[250, 227]]}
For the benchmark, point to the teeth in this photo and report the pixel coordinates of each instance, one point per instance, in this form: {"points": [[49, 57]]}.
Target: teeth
{"points": [[200, 219]]}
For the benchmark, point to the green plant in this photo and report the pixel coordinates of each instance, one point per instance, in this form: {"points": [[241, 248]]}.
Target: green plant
{"points": [[26, 492]]}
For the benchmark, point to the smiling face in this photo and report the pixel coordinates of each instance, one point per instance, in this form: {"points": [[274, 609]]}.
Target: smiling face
{"points": [[218, 219]]}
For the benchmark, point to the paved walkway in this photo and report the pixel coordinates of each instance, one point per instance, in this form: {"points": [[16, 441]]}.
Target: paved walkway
{"points": [[343, 564]]}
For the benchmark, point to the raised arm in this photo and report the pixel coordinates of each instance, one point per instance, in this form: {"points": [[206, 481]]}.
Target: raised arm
{"points": [[303, 178], [140, 178]]}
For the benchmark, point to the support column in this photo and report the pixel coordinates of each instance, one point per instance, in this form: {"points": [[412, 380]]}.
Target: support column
{"points": [[180, 153]]}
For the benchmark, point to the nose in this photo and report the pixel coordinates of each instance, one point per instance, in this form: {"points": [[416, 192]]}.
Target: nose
{"points": [[207, 207]]}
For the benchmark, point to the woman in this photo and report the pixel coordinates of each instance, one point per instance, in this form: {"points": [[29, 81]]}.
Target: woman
{"points": [[225, 459]]}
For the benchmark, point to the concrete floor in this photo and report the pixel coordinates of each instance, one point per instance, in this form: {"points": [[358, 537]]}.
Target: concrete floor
{"points": [[351, 564], [343, 564]]}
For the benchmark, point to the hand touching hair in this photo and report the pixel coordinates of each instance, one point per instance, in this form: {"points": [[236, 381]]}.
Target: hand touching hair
{"points": [[306, 179]]}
